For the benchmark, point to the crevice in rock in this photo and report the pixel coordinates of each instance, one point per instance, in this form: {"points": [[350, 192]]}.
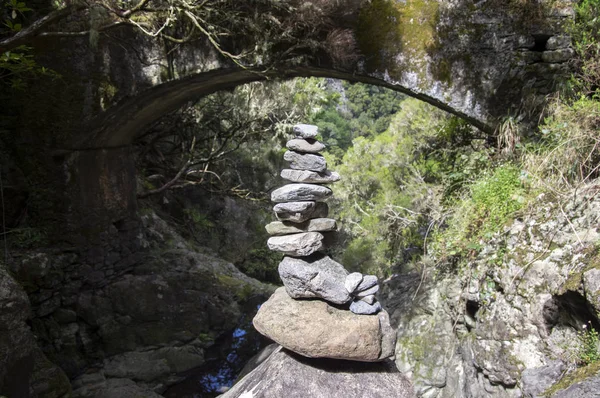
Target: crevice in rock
{"points": [[569, 309], [472, 307], [540, 42]]}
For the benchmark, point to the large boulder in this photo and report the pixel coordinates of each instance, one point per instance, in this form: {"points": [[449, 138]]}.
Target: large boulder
{"points": [[317, 276], [316, 329], [285, 374]]}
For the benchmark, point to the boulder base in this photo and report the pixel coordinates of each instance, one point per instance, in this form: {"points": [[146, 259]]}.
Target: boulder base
{"points": [[285, 374], [316, 329]]}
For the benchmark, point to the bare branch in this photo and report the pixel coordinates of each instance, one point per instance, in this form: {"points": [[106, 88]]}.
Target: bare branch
{"points": [[34, 29]]}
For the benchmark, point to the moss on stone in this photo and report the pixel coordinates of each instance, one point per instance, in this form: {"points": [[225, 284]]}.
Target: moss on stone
{"points": [[388, 28], [573, 377]]}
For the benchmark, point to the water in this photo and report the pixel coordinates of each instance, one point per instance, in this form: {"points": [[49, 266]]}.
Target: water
{"points": [[225, 359]]}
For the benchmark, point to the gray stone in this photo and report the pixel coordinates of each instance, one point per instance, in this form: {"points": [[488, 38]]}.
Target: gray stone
{"points": [[556, 56], [300, 211], [591, 284], [311, 177], [537, 380], [305, 161], [362, 308], [367, 282], [285, 374], [307, 146], [317, 276], [352, 281], [588, 388], [306, 130], [368, 292], [559, 41], [368, 299], [388, 339], [315, 329], [300, 192], [313, 225], [303, 244]]}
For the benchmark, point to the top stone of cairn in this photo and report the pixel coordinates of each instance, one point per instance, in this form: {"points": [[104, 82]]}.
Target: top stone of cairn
{"points": [[305, 130]]}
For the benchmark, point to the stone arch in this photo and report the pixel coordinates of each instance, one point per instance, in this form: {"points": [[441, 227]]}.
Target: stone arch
{"points": [[120, 125]]}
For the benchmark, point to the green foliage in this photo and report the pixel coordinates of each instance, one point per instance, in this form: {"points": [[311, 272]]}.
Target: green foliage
{"points": [[199, 220], [590, 345], [585, 31], [360, 111], [261, 263]]}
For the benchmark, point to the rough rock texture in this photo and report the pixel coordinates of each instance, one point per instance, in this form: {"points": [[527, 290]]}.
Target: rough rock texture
{"points": [[313, 225], [95, 385], [305, 161], [300, 211], [519, 307], [306, 131], [303, 244], [317, 276], [24, 369], [315, 329], [363, 308], [537, 380], [147, 317], [311, 177], [285, 374], [352, 281], [589, 388], [308, 146], [300, 192]]}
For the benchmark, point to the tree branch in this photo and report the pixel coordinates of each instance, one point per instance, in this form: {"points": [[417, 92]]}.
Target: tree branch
{"points": [[34, 29]]}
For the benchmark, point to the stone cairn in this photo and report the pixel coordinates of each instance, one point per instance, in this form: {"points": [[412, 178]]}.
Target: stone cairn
{"points": [[345, 321]]}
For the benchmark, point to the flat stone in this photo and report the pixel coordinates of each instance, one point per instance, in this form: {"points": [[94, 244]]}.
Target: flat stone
{"points": [[559, 41], [316, 329], [289, 375], [306, 130], [560, 55], [352, 281], [305, 161], [297, 244], [307, 146], [368, 292], [368, 281], [362, 308], [314, 225], [300, 192], [370, 299], [317, 276], [326, 177], [300, 211]]}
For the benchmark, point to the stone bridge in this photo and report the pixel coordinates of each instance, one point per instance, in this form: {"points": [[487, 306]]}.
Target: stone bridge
{"points": [[482, 60]]}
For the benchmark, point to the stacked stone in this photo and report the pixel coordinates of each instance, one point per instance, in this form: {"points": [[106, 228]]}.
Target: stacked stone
{"points": [[355, 326]]}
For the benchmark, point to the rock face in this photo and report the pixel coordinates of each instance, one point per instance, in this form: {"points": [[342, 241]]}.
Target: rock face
{"points": [[315, 329], [303, 244], [313, 225], [285, 374], [499, 335], [317, 276], [300, 192]]}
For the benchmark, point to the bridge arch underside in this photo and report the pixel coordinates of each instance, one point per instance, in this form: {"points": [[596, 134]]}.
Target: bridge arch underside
{"points": [[119, 126]]}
